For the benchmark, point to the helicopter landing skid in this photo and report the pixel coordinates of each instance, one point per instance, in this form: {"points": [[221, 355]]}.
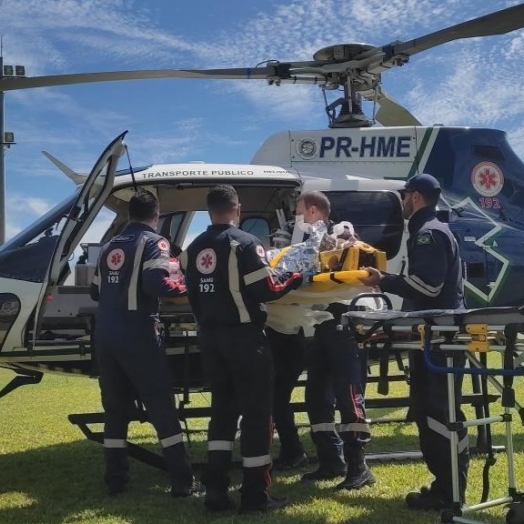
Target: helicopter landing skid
{"points": [[21, 379], [84, 420]]}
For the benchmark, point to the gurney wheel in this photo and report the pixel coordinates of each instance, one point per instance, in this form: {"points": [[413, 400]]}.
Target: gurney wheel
{"points": [[515, 515]]}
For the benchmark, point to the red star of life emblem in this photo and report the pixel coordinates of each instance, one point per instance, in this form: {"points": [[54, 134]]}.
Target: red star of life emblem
{"points": [[116, 258], [488, 179], [206, 260]]}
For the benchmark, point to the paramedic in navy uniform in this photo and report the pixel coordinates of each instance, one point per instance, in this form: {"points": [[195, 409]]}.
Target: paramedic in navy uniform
{"points": [[228, 279], [434, 281], [132, 273]]}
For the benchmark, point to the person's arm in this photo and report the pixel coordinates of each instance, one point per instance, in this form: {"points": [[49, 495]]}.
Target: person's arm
{"points": [[262, 283], [94, 289], [155, 270], [194, 297], [428, 266]]}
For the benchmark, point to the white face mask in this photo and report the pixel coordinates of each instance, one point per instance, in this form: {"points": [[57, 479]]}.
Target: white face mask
{"points": [[301, 225]]}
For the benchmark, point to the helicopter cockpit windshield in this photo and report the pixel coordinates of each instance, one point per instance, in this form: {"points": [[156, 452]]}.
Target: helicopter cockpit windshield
{"points": [[27, 255]]}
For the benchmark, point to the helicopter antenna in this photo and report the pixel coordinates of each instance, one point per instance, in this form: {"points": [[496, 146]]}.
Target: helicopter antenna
{"points": [[131, 169]]}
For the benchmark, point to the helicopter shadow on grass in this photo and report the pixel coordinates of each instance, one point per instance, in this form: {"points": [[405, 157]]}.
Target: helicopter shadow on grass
{"points": [[63, 483]]}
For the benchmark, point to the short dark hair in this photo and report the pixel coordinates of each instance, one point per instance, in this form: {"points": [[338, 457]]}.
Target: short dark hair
{"points": [[431, 200], [317, 199], [143, 206], [221, 199]]}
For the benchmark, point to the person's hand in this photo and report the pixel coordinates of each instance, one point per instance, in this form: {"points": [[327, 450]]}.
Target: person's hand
{"points": [[308, 275], [374, 278]]}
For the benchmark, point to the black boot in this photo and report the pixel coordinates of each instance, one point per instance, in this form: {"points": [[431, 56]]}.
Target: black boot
{"points": [[117, 470], [180, 471], [217, 501], [359, 474]]}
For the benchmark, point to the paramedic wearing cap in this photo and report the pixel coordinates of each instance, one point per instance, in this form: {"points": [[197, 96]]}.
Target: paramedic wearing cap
{"points": [[228, 279], [131, 274], [433, 281]]}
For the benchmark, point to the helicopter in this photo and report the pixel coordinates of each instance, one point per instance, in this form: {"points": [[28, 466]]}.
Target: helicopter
{"points": [[47, 324]]}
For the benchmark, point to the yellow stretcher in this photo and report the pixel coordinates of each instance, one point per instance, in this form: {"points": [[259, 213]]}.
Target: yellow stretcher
{"points": [[340, 278]]}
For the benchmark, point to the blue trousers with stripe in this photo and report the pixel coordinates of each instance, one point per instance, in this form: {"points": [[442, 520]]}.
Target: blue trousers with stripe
{"points": [[336, 379]]}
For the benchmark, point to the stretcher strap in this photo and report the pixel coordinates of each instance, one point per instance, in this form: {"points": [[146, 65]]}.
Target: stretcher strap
{"points": [[334, 278]]}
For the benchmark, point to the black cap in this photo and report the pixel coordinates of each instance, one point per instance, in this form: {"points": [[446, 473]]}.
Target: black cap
{"points": [[425, 184]]}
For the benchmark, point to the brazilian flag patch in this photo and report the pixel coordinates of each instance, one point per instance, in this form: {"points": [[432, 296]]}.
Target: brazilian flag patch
{"points": [[424, 239]]}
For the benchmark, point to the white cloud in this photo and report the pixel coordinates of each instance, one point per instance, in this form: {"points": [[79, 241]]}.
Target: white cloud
{"points": [[28, 205], [465, 83]]}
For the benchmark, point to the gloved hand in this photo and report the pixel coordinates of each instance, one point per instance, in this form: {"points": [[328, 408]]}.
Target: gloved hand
{"points": [[299, 279], [308, 275]]}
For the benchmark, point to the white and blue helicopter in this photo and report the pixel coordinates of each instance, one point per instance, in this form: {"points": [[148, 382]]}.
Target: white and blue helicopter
{"points": [[46, 321]]}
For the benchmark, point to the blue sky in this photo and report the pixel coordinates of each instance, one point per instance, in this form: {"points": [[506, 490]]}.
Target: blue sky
{"points": [[476, 82]]}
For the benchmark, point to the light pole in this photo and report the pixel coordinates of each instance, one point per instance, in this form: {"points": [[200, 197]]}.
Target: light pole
{"points": [[6, 139], [2, 157]]}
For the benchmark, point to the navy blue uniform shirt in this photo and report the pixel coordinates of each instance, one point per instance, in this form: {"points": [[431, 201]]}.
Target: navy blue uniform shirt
{"points": [[132, 273], [434, 279], [228, 277]]}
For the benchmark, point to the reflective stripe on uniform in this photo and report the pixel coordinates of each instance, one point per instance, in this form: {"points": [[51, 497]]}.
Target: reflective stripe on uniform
{"points": [[256, 276], [234, 284], [172, 440], [324, 426], [156, 263], [220, 445], [358, 427], [421, 286], [132, 292], [256, 462], [115, 443]]}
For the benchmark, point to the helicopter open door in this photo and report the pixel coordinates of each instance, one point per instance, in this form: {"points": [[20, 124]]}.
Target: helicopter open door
{"points": [[36, 260]]}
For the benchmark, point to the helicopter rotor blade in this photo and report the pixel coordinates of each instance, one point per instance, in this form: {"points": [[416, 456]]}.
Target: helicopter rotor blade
{"points": [[497, 23], [391, 113], [258, 73]]}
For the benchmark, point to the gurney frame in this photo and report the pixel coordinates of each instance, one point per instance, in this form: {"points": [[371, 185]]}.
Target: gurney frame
{"points": [[473, 332]]}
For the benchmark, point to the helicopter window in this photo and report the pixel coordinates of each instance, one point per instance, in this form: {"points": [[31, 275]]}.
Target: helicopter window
{"points": [[199, 223], [376, 216], [9, 309], [259, 227], [489, 151], [169, 226], [27, 255]]}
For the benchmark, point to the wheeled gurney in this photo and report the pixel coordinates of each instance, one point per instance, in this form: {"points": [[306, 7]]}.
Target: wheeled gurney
{"points": [[475, 332]]}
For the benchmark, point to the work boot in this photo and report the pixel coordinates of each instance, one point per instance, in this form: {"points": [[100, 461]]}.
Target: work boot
{"points": [[116, 488], [357, 480], [268, 505], [324, 472], [217, 501], [116, 475], [359, 474], [183, 489], [427, 500], [288, 464]]}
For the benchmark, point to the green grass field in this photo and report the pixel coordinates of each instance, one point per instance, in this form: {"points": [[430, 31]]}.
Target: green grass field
{"points": [[49, 473]]}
